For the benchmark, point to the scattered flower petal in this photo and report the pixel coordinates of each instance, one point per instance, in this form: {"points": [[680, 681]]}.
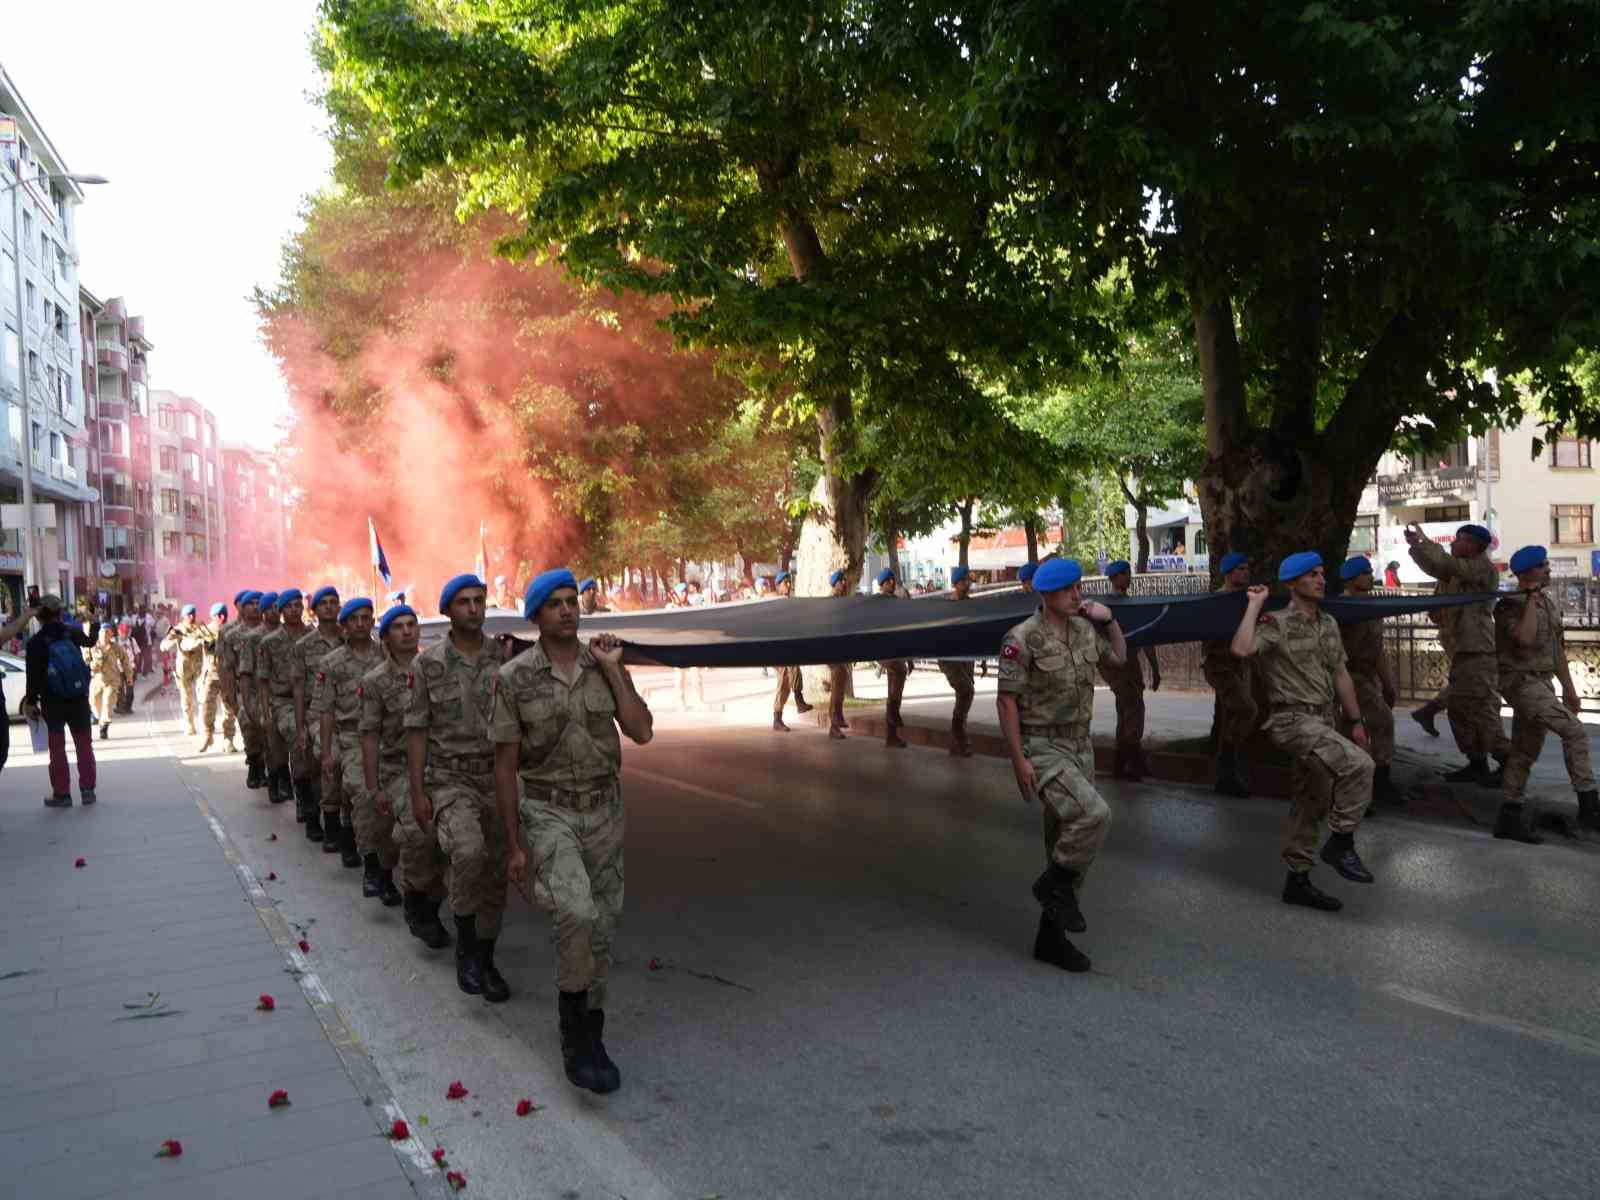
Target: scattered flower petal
{"points": [[170, 1148], [525, 1107], [272, 876], [278, 1099], [656, 964], [266, 1003], [456, 1091], [438, 1156], [81, 863], [399, 1131], [456, 1180], [272, 837], [305, 946]]}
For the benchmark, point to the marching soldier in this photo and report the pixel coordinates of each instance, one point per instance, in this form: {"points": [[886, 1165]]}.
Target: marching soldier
{"points": [[1373, 676], [1532, 648], [589, 598], [450, 765], [110, 670], [273, 755], [1025, 575], [124, 705], [337, 712], [245, 604], [309, 651], [557, 709], [188, 639], [896, 669], [385, 696], [1127, 687], [211, 683], [790, 679], [276, 668], [1045, 703], [1303, 660], [1468, 632], [838, 673], [1230, 678], [958, 672]]}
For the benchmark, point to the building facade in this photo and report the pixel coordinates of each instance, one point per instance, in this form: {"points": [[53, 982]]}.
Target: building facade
{"points": [[121, 446], [255, 516], [186, 471]]}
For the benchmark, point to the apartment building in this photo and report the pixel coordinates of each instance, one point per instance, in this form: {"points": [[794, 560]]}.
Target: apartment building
{"points": [[41, 357], [185, 477], [255, 515], [126, 567]]}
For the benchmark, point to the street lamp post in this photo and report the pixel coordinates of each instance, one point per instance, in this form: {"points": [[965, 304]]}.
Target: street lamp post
{"points": [[30, 555]]}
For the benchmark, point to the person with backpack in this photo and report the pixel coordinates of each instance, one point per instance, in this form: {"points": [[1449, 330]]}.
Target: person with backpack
{"points": [[58, 688]]}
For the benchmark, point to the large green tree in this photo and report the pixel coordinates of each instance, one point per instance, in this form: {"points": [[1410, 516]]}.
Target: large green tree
{"points": [[1364, 205], [784, 173]]}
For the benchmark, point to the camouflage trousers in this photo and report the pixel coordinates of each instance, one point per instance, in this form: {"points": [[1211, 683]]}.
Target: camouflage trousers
{"points": [[1332, 781], [473, 841], [188, 684], [959, 675], [210, 700], [250, 729], [1076, 817], [278, 726], [1127, 686], [1535, 711], [1377, 716], [422, 863], [790, 679], [1236, 703], [578, 879], [374, 833], [103, 699], [1474, 706]]}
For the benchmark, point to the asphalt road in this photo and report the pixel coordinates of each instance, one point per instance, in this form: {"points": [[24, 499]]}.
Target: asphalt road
{"points": [[845, 1004]]}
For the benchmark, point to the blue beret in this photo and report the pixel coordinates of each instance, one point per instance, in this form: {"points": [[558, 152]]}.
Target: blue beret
{"points": [[1479, 532], [239, 597], [250, 597], [1117, 568], [352, 606], [289, 596], [1298, 564], [1233, 560], [957, 574], [448, 593], [186, 609], [884, 576], [399, 610], [836, 578], [269, 600], [782, 575], [326, 589], [1025, 572], [1359, 564], [586, 585], [219, 609], [1056, 574], [1528, 558], [541, 587]]}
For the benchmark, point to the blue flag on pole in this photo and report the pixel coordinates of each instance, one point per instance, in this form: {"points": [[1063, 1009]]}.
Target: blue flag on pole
{"points": [[380, 564]]}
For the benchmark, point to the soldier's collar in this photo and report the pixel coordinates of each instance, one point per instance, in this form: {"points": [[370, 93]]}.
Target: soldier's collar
{"points": [[541, 660]]}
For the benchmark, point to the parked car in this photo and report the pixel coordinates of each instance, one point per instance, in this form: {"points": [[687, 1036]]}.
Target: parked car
{"points": [[15, 682]]}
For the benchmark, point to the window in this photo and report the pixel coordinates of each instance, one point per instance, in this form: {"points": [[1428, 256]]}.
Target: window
{"points": [[33, 295], [171, 543], [113, 438], [118, 539], [211, 474], [190, 427], [169, 459], [191, 466], [1447, 512], [195, 545], [55, 446], [167, 419], [1571, 524], [10, 352], [14, 416], [114, 490], [1570, 453], [191, 508], [38, 435], [211, 512], [140, 399], [169, 502]]}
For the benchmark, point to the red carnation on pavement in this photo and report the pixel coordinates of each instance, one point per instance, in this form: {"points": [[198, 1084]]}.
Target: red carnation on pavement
{"points": [[272, 837], [271, 876], [438, 1156], [266, 1003], [655, 964], [81, 863], [456, 1180], [524, 1107], [400, 1131], [278, 1099], [305, 946], [170, 1148], [456, 1091]]}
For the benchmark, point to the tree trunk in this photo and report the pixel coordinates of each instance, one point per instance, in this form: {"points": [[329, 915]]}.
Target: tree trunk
{"points": [[1141, 523], [965, 543], [1031, 528], [891, 547]]}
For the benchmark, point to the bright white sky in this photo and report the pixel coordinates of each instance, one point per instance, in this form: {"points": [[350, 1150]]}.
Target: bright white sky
{"points": [[197, 112]]}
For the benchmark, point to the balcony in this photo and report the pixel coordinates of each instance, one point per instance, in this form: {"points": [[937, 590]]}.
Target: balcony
{"points": [[113, 410], [137, 370], [111, 358], [1438, 485], [114, 310], [135, 327]]}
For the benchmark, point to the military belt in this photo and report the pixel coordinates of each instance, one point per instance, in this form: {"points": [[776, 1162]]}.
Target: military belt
{"points": [[1310, 710], [1069, 730], [471, 763], [571, 798]]}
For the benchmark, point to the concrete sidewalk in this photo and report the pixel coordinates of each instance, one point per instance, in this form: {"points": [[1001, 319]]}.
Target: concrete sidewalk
{"points": [[129, 989]]}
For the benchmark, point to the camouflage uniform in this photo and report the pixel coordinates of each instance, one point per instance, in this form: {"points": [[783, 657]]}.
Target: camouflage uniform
{"points": [[1525, 676], [233, 710], [572, 812], [339, 683], [1300, 656], [189, 641], [276, 666], [211, 690], [1363, 647], [1127, 686], [1230, 678], [385, 697], [1467, 630], [310, 651], [110, 670], [451, 698], [247, 668], [1053, 681]]}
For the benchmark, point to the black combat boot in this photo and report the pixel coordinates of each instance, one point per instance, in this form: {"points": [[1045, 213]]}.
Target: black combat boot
{"points": [[332, 831], [422, 918], [255, 775], [348, 854], [1229, 781], [308, 803], [388, 895], [1510, 825], [1424, 716], [371, 882], [577, 1059], [1589, 809], [606, 1076], [1384, 790], [1476, 771], [1050, 945], [1298, 889], [495, 988], [469, 968], [1339, 852], [1056, 894]]}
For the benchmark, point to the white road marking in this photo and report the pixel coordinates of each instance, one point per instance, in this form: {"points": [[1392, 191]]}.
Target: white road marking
{"points": [[412, 1146], [693, 788], [1543, 1033]]}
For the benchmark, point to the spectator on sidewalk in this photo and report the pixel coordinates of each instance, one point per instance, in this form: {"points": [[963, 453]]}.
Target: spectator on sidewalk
{"points": [[58, 690], [12, 628], [140, 631]]}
